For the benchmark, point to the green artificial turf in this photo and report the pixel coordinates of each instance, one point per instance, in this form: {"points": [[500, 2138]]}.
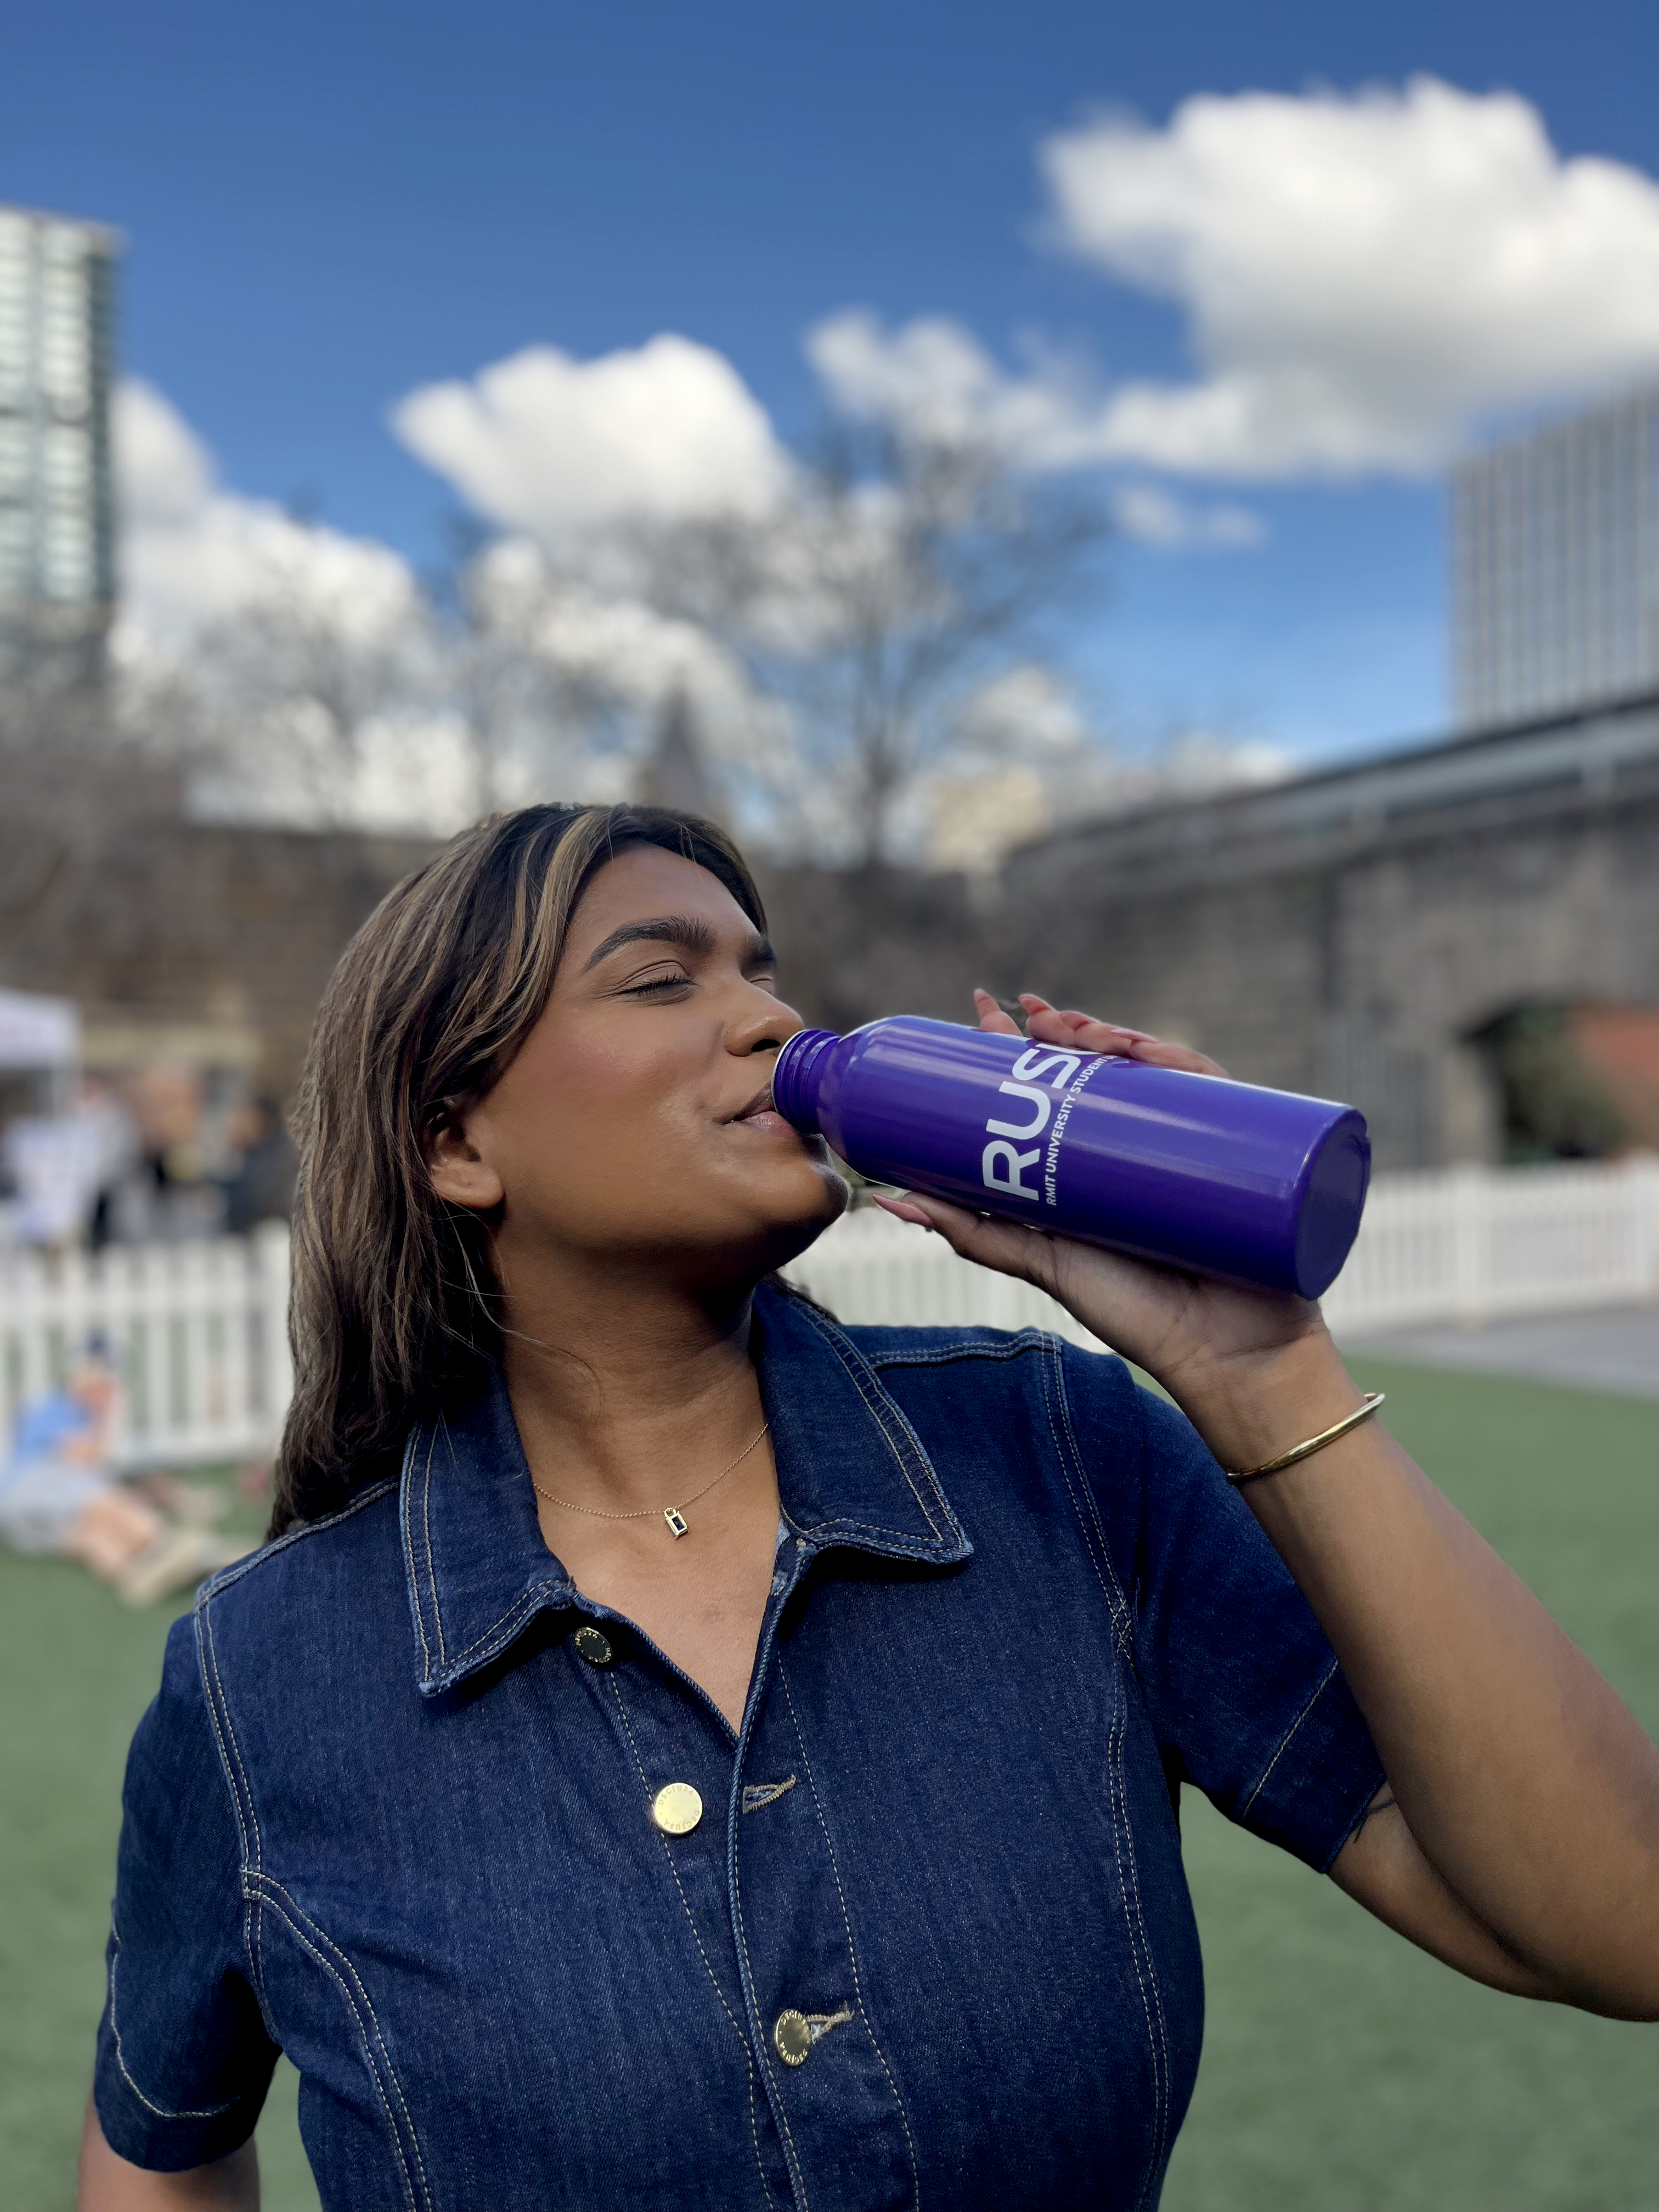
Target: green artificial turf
{"points": [[78, 1667], [1342, 2072]]}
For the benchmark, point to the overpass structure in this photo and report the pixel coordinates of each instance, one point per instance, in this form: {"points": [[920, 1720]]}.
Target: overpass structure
{"points": [[1352, 931]]}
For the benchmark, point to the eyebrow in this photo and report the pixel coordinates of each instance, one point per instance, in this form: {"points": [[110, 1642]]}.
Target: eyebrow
{"points": [[684, 930]]}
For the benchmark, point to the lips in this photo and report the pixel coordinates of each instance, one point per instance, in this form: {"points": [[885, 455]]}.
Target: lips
{"points": [[760, 1103], [760, 1113]]}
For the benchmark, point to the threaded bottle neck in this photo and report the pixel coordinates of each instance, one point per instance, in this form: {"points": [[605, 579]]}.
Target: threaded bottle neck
{"points": [[795, 1078]]}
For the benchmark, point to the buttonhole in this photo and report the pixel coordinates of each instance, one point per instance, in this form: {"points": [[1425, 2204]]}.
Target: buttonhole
{"points": [[757, 1794]]}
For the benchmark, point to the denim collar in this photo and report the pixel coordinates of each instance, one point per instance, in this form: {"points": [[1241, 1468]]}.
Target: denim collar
{"points": [[851, 1473]]}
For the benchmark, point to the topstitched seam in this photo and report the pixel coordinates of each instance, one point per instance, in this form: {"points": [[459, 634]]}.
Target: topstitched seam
{"points": [[379, 2033], [1065, 1444], [1122, 1842], [1115, 1607], [916, 1547], [234, 1573], [1154, 2039], [161, 2113], [1010, 1345], [406, 1485], [851, 1948], [1319, 1691], [697, 1937], [1163, 2060], [426, 1530], [848, 1353], [792, 2157], [249, 1932], [219, 1704], [524, 1605], [230, 1761], [329, 1968]]}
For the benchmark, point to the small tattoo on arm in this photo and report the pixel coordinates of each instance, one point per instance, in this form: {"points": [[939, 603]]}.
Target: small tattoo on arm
{"points": [[1380, 1805]]}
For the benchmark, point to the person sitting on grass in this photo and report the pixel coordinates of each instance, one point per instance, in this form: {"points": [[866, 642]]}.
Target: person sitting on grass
{"points": [[60, 1496]]}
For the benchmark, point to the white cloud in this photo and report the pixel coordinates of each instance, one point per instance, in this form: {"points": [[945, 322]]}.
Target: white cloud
{"points": [[544, 443], [1197, 764], [1156, 517], [1027, 757], [345, 612], [192, 553], [1025, 713], [338, 629], [407, 776], [1362, 276], [973, 820], [935, 377], [617, 649]]}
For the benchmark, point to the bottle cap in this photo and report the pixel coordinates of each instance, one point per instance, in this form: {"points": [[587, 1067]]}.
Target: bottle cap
{"points": [[794, 1079]]}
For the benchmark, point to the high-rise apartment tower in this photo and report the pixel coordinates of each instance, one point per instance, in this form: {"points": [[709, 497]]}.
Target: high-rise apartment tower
{"points": [[57, 510], [1555, 567]]}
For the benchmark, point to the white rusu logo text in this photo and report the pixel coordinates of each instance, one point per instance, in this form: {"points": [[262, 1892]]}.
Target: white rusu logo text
{"points": [[1003, 1164]]}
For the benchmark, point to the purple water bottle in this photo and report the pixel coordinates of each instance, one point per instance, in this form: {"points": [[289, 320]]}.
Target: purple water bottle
{"points": [[1257, 1186]]}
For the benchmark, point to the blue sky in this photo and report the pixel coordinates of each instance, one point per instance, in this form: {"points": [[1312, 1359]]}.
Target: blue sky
{"points": [[328, 207]]}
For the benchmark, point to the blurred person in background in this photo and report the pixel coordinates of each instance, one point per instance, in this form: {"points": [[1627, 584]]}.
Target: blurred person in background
{"points": [[101, 1103], [676, 1751], [169, 1196], [61, 1170], [260, 1185], [60, 1496]]}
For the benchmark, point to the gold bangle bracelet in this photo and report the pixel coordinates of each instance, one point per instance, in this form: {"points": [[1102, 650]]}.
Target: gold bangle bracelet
{"points": [[1373, 1400]]}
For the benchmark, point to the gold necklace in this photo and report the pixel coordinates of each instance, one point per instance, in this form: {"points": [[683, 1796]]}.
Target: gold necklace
{"points": [[673, 1514]]}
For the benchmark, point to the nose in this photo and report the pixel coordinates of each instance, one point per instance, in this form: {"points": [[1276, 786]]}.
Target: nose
{"points": [[765, 1025]]}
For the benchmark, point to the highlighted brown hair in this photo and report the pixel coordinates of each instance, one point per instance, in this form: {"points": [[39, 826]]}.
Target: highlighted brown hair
{"points": [[395, 1309]]}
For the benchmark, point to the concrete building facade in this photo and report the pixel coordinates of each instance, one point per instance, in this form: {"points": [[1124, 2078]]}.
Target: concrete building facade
{"points": [[1555, 567], [57, 582], [1354, 933]]}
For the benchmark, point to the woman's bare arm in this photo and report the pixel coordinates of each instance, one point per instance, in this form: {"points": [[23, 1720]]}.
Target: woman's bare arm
{"points": [[109, 2184], [1522, 1845]]}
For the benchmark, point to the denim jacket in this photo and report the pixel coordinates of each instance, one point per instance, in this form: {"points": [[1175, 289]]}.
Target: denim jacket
{"points": [[928, 1942]]}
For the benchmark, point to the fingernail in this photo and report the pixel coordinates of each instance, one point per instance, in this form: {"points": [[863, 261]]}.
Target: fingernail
{"points": [[901, 1212]]}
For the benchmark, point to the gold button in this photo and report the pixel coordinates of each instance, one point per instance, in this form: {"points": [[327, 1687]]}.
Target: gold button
{"points": [[594, 1647], [676, 1808], [792, 2037]]}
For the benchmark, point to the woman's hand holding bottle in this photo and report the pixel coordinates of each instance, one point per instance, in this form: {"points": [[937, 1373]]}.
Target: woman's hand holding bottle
{"points": [[1243, 1364]]}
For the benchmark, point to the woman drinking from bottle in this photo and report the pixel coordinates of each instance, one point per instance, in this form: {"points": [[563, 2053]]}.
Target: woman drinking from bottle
{"points": [[676, 1751]]}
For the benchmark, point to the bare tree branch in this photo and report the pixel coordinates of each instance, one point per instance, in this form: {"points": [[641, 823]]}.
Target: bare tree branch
{"points": [[904, 572]]}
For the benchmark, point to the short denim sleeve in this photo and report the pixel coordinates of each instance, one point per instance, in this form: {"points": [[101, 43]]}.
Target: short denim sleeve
{"points": [[184, 2060], [1244, 1691]]}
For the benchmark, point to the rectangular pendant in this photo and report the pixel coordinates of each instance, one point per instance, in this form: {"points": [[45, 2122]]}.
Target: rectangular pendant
{"points": [[677, 1523]]}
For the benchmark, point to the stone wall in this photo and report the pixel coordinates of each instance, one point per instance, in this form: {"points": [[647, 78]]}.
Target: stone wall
{"points": [[1355, 947], [201, 943], [1347, 934]]}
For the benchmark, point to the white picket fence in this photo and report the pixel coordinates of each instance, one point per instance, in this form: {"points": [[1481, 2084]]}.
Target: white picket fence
{"points": [[1460, 1245], [198, 1331], [1467, 1245]]}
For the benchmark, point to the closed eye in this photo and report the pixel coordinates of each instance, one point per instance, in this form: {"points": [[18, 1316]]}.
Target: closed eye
{"points": [[645, 987]]}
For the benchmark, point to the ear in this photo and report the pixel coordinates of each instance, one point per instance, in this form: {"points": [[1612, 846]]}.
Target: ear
{"points": [[459, 1172]]}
